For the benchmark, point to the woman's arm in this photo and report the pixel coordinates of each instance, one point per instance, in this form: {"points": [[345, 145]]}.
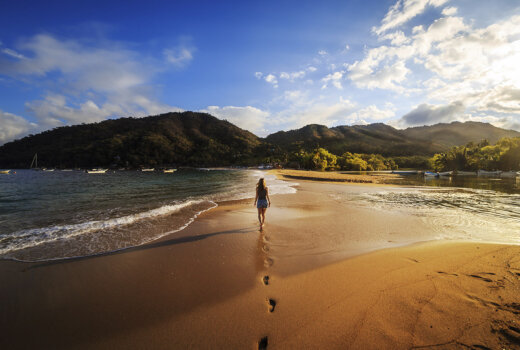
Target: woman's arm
{"points": [[256, 198], [267, 196]]}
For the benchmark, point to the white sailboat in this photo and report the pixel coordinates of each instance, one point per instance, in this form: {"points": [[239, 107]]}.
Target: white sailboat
{"points": [[34, 163]]}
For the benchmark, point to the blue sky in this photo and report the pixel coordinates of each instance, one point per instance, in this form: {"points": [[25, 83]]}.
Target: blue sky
{"points": [[265, 66]]}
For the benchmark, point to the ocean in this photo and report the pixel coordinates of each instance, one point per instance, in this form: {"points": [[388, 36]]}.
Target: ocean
{"points": [[66, 214]]}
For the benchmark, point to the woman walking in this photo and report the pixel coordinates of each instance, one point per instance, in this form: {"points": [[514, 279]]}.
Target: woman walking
{"points": [[262, 200]]}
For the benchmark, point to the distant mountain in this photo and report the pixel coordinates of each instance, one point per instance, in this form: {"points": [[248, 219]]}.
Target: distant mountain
{"points": [[457, 133], [169, 139], [199, 139], [386, 140]]}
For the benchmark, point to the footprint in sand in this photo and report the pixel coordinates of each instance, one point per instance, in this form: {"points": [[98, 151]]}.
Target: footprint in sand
{"points": [[262, 344], [485, 279], [268, 262], [265, 280], [446, 273], [272, 304]]}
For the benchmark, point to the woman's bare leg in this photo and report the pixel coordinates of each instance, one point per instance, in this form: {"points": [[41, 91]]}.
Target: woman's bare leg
{"points": [[260, 216], [263, 215]]}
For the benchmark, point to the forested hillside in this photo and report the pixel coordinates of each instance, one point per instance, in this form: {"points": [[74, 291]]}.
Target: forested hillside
{"points": [[169, 139], [199, 139]]}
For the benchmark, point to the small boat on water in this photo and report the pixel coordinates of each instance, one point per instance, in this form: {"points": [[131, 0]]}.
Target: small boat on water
{"points": [[5, 171], [488, 173], [148, 169], [48, 169], [509, 174], [169, 171], [97, 171], [465, 173], [430, 174], [446, 173]]}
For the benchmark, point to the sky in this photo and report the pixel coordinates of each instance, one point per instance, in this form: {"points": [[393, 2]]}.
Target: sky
{"points": [[263, 65]]}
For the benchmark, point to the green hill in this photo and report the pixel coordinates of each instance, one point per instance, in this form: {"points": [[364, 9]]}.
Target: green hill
{"points": [[199, 139], [383, 139], [173, 138]]}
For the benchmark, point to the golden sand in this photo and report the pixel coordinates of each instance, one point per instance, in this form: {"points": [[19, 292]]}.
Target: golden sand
{"points": [[333, 176], [308, 281]]}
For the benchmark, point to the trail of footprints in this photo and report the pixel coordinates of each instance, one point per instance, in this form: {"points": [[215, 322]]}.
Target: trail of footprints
{"points": [[271, 303]]}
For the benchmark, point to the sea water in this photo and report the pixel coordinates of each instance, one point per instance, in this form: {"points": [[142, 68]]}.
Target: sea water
{"points": [[64, 214], [477, 209]]}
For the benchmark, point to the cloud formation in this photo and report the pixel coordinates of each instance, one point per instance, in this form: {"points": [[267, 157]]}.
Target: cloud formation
{"points": [[94, 82], [249, 118], [403, 11], [180, 55], [14, 127], [426, 114]]}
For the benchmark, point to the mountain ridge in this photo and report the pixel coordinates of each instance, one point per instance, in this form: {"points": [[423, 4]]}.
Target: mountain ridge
{"points": [[200, 139]]}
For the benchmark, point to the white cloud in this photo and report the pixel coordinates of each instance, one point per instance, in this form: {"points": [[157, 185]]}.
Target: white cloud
{"points": [[179, 56], [396, 38], [13, 53], [258, 75], [387, 77], [292, 76], [271, 79], [334, 79], [249, 118], [426, 114], [302, 110], [95, 82], [312, 69], [369, 114], [322, 52], [403, 11], [449, 11], [13, 127]]}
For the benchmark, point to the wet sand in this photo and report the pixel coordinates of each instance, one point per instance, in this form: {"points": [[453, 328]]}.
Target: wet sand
{"points": [[335, 176], [311, 280]]}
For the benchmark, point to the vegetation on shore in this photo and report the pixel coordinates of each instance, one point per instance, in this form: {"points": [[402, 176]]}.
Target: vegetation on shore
{"points": [[504, 155]]}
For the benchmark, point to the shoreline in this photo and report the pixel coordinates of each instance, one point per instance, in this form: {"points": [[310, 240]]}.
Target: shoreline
{"points": [[205, 286]]}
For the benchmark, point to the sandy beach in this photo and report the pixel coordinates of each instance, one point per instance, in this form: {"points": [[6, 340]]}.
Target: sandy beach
{"points": [[323, 274]]}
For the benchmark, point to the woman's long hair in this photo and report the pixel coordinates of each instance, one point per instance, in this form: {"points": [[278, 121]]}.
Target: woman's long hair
{"points": [[260, 186]]}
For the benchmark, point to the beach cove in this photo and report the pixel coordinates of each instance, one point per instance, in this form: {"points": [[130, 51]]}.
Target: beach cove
{"points": [[324, 273]]}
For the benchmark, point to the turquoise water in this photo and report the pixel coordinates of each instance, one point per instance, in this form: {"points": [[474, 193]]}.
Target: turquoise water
{"points": [[61, 214]]}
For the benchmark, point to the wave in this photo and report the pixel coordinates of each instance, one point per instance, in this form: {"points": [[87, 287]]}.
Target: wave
{"points": [[96, 235], [24, 239]]}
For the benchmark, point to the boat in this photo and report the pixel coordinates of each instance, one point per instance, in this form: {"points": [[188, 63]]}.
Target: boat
{"points": [[169, 171], [405, 172], [48, 169], [431, 174], [509, 174], [4, 171], [34, 163], [148, 169], [446, 173], [97, 171], [465, 173], [488, 173]]}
